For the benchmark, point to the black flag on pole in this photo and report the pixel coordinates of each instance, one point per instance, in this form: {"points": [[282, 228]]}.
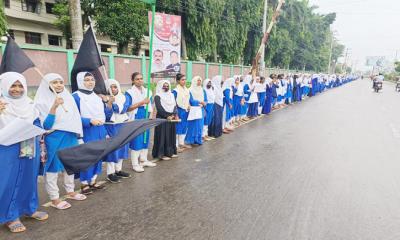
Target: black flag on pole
{"points": [[14, 59], [80, 158], [89, 60]]}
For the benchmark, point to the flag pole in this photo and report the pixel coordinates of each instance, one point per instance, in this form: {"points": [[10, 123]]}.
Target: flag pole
{"points": [[98, 50], [153, 13]]}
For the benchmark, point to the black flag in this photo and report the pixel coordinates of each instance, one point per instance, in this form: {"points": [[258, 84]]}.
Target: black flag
{"points": [[80, 158], [89, 60], [14, 59]]}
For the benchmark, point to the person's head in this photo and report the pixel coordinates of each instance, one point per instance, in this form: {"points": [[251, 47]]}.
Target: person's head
{"points": [[262, 79], [241, 78], [55, 81], [174, 57], [237, 81], [209, 84], [181, 79], [165, 87], [114, 87], [13, 85], [137, 79], [199, 81], [86, 81], [158, 56]]}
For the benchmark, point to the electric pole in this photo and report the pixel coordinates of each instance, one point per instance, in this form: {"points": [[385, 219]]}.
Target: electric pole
{"points": [[264, 31], [330, 55], [76, 23]]}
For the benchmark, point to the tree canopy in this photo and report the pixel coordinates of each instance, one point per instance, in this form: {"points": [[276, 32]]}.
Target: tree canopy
{"points": [[224, 30]]}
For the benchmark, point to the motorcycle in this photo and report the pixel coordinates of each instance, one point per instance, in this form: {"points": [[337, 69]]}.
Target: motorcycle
{"points": [[377, 86], [398, 86]]}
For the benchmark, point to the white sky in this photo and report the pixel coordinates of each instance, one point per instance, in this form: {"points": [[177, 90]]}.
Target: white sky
{"points": [[366, 27]]}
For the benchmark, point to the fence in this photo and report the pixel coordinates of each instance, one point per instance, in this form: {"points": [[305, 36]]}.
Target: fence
{"points": [[121, 67]]}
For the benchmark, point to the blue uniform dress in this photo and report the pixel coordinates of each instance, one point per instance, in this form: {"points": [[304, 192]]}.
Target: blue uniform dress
{"points": [[261, 98], [289, 93], [139, 142], [194, 133], [246, 95], [209, 112], [18, 182], [56, 141], [181, 127], [237, 107], [90, 134], [268, 100], [228, 101], [112, 131]]}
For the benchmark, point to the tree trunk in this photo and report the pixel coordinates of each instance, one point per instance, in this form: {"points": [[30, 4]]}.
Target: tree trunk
{"points": [[76, 23], [123, 48], [184, 52]]}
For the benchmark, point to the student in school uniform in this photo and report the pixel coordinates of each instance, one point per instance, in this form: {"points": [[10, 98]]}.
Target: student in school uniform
{"points": [[19, 165], [215, 129], [114, 124], [209, 108], [198, 100], [228, 113], [140, 104], [93, 110], [59, 115]]}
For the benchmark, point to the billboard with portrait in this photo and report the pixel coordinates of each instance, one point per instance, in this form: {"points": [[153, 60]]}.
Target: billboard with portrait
{"points": [[166, 45]]}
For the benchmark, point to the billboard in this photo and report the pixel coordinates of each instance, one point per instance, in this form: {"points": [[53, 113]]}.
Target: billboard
{"points": [[166, 45], [376, 61]]}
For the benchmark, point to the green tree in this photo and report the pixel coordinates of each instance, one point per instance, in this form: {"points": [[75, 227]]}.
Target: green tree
{"points": [[3, 21], [63, 21]]}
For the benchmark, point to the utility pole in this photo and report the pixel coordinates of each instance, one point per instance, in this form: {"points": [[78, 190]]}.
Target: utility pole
{"points": [[262, 71], [330, 55], [76, 23], [345, 59]]}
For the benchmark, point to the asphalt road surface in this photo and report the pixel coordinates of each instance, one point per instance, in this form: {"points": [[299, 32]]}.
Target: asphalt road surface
{"points": [[326, 169]]}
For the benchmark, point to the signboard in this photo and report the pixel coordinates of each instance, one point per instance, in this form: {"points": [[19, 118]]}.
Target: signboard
{"points": [[376, 61], [166, 45]]}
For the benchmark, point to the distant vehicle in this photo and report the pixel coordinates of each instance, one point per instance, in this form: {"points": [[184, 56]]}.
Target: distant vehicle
{"points": [[377, 86], [398, 86]]}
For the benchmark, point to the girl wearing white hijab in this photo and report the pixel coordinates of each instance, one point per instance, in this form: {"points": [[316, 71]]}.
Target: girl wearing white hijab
{"points": [[114, 160], [164, 146], [19, 165], [66, 126], [216, 126], [228, 116], [182, 97], [209, 90], [138, 99], [198, 100], [93, 116]]}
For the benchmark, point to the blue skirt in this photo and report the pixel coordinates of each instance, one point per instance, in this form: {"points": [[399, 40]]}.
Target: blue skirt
{"points": [[261, 98], [181, 127], [90, 134], [194, 133], [244, 109], [119, 154], [215, 128], [253, 110], [142, 141], [209, 114], [18, 183], [237, 107]]}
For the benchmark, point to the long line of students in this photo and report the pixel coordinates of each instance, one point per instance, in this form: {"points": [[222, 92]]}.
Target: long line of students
{"points": [[200, 113]]}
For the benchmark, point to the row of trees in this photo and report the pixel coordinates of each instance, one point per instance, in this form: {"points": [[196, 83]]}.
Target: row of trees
{"points": [[220, 30]]}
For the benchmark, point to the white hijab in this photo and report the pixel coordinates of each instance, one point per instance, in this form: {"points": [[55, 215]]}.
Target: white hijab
{"points": [[120, 100], [197, 91], [228, 83], [240, 87], [91, 105], [22, 107], [209, 91], [66, 120], [167, 99], [218, 91]]}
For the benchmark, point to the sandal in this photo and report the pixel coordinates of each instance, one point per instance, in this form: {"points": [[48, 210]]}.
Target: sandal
{"points": [[63, 205], [86, 190], [16, 226], [97, 186], [77, 197], [40, 216]]}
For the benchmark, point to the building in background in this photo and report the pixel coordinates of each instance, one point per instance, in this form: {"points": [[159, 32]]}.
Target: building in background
{"points": [[32, 22]]}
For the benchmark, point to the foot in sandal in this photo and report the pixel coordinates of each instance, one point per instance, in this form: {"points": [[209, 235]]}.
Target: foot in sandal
{"points": [[16, 226], [40, 216], [60, 205], [76, 196]]}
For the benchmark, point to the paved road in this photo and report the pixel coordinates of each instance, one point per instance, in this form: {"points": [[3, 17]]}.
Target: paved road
{"points": [[325, 169]]}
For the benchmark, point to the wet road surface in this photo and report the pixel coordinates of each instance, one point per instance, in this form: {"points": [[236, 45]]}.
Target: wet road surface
{"points": [[328, 168]]}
